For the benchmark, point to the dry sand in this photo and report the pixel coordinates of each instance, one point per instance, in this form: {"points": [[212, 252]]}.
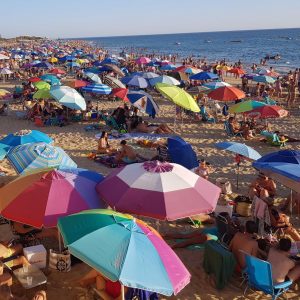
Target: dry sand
{"points": [[78, 143]]}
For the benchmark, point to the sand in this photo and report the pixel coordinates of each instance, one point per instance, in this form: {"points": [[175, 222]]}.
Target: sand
{"points": [[78, 143]]}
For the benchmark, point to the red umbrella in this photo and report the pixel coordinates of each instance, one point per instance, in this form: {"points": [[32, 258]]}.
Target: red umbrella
{"points": [[34, 79], [183, 68], [75, 83], [267, 111], [227, 93], [237, 71], [57, 71], [120, 93]]}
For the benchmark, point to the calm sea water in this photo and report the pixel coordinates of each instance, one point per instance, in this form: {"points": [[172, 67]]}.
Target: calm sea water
{"points": [[253, 45]]}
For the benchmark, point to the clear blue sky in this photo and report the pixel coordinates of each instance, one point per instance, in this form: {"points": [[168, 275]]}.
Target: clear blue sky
{"points": [[87, 18]]}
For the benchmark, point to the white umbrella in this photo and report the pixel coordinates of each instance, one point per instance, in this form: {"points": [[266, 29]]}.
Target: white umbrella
{"points": [[2, 56], [93, 77], [5, 71]]}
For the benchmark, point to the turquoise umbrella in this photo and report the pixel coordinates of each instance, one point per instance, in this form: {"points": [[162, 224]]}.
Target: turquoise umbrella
{"points": [[52, 79], [264, 79], [29, 157], [124, 249]]}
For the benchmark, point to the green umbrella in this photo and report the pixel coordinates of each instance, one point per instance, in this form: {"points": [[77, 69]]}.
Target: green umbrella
{"points": [[42, 94], [178, 96], [245, 106], [42, 85]]}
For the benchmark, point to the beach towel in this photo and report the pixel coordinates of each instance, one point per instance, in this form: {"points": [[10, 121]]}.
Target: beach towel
{"points": [[261, 213], [135, 135], [137, 294]]}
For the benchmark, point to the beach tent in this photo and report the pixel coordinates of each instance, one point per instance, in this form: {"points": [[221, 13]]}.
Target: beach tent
{"points": [[182, 152]]}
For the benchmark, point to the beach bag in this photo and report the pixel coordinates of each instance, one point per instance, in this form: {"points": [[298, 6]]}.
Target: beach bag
{"points": [[60, 261], [225, 185], [243, 209]]}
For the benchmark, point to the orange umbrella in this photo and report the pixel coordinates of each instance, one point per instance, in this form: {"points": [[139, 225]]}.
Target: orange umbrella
{"points": [[227, 93], [75, 83], [120, 93], [237, 71], [57, 71]]}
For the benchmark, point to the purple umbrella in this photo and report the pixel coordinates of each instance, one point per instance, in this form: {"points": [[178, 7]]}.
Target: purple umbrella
{"points": [[159, 190]]}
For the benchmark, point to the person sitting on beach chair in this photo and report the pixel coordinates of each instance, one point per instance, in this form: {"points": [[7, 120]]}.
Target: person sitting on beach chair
{"points": [[206, 117], [127, 154]]}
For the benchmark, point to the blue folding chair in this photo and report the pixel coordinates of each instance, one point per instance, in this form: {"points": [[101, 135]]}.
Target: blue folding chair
{"points": [[259, 276], [229, 132]]}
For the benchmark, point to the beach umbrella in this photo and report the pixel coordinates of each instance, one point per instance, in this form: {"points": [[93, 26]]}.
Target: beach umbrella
{"points": [[120, 93], [97, 88], [3, 57], [117, 245], [43, 65], [188, 69], [73, 64], [34, 79], [144, 102], [113, 82], [5, 71], [42, 94], [237, 71], [68, 97], [57, 71], [142, 60], [283, 166], [25, 137], [263, 79], [242, 151], [29, 157], [216, 84], [52, 60], [114, 68], [52, 79], [245, 106], [164, 79], [4, 93], [268, 72], [148, 75], [59, 193], [94, 77], [204, 76], [136, 81], [168, 68], [157, 190], [42, 85], [75, 83], [109, 60], [198, 90], [67, 58], [178, 96], [267, 112], [227, 93]]}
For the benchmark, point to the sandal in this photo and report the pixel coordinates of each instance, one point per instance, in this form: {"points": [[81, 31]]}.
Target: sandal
{"points": [[41, 295]]}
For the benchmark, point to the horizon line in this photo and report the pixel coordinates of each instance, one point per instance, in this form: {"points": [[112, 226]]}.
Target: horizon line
{"points": [[175, 33]]}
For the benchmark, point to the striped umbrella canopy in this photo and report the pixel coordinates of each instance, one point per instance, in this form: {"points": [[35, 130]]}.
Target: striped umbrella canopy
{"points": [[158, 190], [216, 84], [42, 85], [144, 102], [124, 249], [100, 89], [59, 193], [68, 97], [29, 157], [178, 96], [164, 79], [113, 82]]}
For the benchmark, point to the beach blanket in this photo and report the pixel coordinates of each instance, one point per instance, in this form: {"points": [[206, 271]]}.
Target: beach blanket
{"points": [[135, 135], [110, 161]]}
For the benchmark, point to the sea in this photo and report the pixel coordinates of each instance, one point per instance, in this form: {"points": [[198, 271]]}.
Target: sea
{"points": [[249, 46]]}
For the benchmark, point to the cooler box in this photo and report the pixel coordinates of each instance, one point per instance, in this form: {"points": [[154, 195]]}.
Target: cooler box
{"points": [[36, 255]]}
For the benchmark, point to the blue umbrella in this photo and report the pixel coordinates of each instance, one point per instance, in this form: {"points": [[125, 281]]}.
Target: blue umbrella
{"points": [[73, 64], [283, 156], [241, 150], [264, 79], [144, 102], [4, 149], [147, 75], [153, 64], [52, 79], [67, 58], [168, 68], [29, 157], [216, 84], [43, 65], [204, 76], [164, 79], [101, 89], [109, 60], [136, 81]]}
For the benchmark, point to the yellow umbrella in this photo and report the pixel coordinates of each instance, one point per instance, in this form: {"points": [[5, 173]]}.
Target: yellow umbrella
{"points": [[178, 96], [40, 85], [4, 93], [42, 94], [53, 60]]}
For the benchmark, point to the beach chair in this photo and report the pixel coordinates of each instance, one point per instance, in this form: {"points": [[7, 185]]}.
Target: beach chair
{"points": [[259, 276], [274, 140], [229, 132]]}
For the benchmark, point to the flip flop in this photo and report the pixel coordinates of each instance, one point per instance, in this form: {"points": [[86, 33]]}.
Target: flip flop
{"points": [[41, 295]]}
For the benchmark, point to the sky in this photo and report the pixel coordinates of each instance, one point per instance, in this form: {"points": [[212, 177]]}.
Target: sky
{"points": [[96, 18]]}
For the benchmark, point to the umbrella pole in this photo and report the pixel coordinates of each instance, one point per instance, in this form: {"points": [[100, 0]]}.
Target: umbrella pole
{"points": [[175, 119], [122, 292], [237, 176], [59, 241], [291, 205]]}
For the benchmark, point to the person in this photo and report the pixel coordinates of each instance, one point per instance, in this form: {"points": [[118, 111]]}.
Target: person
{"points": [[293, 197], [283, 267], [245, 242], [5, 294], [262, 182], [143, 126], [108, 290], [203, 169], [234, 126], [127, 154], [4, 110], [103, 145]]}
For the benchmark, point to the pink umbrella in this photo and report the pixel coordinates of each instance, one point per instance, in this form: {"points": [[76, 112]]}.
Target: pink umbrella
{"points": [[159, 190], [143, 60]]}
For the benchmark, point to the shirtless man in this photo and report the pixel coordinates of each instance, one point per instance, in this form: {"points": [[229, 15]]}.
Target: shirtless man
{"points": [[262, 182], [127, 153], [244, 242], [283, 268]]}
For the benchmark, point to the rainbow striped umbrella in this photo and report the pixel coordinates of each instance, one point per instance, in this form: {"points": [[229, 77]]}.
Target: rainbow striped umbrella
{"points": [[124, 249], [28, 157], [40, 198]]}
